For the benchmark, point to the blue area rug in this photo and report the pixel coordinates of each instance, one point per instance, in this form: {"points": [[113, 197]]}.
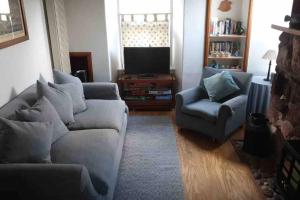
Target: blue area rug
{"points": [[150, 165]]}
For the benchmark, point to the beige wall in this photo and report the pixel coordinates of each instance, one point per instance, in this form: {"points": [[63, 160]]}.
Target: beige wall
{"points": [[58, 34], [22, 64]]}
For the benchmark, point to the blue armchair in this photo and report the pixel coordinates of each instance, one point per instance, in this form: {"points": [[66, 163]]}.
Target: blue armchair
{"points": [[218, 120]]}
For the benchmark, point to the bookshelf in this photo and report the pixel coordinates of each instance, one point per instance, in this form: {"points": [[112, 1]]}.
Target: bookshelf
{"points": [[148, 93], [227, 35]]}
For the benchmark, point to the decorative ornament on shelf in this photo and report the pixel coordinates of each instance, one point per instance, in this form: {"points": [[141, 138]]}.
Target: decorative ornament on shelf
{"points": [[239, 28], [270, 55], [225, 6]]}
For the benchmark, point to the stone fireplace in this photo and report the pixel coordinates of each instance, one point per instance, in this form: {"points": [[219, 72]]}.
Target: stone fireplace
{"points": [[285, 106], [285, 114]]}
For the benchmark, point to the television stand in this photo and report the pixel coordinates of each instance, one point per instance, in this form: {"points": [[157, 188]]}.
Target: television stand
{"points": [[148, 93]]}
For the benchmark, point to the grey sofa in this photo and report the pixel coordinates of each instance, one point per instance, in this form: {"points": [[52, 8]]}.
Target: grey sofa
{"points": [[215, 119], [85, 161]]}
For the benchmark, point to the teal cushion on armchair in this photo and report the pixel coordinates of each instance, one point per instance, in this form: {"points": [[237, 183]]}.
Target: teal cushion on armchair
{"points": [[220, 86]]}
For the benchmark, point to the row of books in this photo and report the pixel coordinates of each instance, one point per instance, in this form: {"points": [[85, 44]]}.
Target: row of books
{"points": [[231, 47], [144, 98], [161, 92], [144, 91], [224, 27]]}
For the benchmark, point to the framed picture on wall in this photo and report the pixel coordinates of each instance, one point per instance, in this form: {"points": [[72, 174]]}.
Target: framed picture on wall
{"points": [[13, 28]]}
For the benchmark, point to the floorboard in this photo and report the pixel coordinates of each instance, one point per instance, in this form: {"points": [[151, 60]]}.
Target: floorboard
{"points": [[211, 171]]}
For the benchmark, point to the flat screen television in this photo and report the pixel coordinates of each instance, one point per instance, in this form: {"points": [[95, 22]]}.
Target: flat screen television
{"points": [[147, 60]]}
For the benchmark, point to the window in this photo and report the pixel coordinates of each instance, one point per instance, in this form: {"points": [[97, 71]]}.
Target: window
{"points": [[145, 23]]}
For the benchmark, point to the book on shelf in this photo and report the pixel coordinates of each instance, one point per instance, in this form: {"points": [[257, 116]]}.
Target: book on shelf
{"points": [[225, 46], [137, 98], [160, 91], [224, 27], [163, 97]]}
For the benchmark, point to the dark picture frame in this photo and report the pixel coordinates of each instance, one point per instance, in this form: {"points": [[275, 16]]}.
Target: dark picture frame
{"points": [[13, 26]]}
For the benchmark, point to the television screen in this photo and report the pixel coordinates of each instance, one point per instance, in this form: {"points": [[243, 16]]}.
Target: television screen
{"points": [[147, 60]]}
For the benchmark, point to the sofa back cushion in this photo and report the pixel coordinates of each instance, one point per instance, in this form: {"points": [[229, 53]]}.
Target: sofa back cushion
{"points": [[43, 111], [63, 78], [79, 104], [61, 101]]}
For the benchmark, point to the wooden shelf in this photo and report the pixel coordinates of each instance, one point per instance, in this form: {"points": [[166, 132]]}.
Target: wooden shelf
{"points": [[138, 86], [226, 58], [245, 10], [286, 30], [227, 36], [147, 102]]}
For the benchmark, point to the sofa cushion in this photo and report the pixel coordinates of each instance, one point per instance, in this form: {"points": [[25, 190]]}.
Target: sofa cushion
{"points": [[43, 111], [220, 85], [100, 114], [204, 108], [95, 148], [78, 100], [25, 142], [62, 78], [61, 101], [26, 99]]}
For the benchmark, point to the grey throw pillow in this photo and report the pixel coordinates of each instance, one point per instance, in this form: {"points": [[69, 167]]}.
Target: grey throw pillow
{"points": [[62, 78], [220, 86], [43, 111], [78, 100], [25, 142], [61, 101]]}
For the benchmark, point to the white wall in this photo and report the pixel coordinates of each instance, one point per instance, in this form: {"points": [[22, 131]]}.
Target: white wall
{"points": [[87, 32], [265, 13], [177, 40], [193, 46], [22, 64], [113, 36]]}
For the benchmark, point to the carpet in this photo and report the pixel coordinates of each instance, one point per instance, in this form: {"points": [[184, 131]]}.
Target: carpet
{"points": [[149, 167]]}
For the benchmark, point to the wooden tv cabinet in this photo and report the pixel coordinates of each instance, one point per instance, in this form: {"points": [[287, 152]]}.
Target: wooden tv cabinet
{"points": [[148, 93]]}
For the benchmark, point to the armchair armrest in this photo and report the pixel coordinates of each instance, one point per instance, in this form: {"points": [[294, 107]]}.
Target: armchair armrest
{"points": [[46, 181], [109, 91], [190, 95], [229, 107]]}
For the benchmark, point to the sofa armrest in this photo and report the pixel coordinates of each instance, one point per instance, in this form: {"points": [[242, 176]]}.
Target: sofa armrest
{"points": [[190, 95], [229, 107], [109, 91], [46, 181]]}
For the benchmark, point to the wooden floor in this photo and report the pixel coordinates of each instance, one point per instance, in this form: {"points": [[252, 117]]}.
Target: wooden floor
{"points": [[211, 171]]}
